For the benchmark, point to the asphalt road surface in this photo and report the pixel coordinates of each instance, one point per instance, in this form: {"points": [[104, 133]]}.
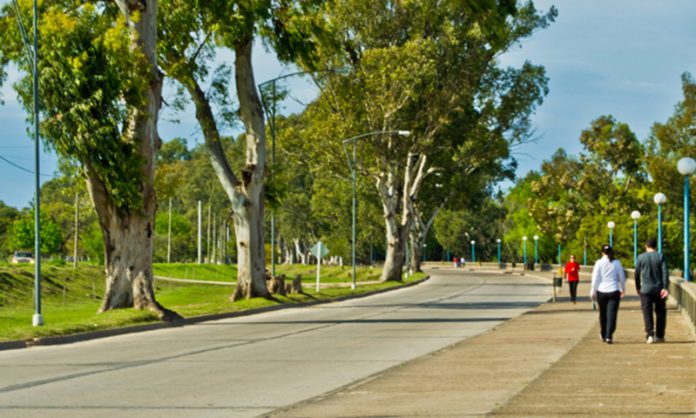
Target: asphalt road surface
{"points": [[251, 366]]}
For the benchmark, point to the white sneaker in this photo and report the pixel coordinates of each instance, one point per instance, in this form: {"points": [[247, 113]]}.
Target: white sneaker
{"points": [[650, 340]]}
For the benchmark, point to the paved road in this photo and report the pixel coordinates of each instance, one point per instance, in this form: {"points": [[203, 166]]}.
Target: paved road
{"points": [[254, 365], [548, 362]]}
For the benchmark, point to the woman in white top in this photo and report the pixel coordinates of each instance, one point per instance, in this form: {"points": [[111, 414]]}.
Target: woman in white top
{"points": [[608, 286]]}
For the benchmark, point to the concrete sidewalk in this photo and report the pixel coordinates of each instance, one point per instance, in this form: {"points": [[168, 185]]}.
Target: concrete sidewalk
{"points": [[548, 362]]}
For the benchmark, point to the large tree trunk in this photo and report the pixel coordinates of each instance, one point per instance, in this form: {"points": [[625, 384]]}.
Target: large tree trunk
{"points": [[417, 239], [128, 231], [396, 249], [248, 212], [298, 250], [397, 205], [245, 194]]}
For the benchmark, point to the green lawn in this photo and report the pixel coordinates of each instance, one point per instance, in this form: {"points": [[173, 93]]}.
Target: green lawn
{"points": [[191, 271], [71, 297], [228, 273]]}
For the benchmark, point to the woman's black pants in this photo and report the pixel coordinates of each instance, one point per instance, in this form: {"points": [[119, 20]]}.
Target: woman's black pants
{"points": [[608, 311], [573, 286]]}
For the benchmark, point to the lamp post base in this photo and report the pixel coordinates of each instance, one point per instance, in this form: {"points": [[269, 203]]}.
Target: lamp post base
{"points": [[37, 320]]}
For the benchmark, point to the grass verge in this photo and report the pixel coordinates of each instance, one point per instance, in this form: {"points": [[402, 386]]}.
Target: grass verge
{"points": [[228, 273], [71, 297]]}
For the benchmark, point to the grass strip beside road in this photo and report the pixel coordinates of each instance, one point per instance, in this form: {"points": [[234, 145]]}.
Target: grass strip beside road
{"points": [[69, 306], [228, 273]]}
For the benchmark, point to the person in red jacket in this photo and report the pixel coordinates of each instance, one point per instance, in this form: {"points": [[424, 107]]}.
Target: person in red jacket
{"points": [[572, 273]]}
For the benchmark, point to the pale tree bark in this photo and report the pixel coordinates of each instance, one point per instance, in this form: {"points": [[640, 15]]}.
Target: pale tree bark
{"points": [[248, 208], [128, 232], [298, 250], [398, 209], [418, 233], [416, 239], [245, 194]]}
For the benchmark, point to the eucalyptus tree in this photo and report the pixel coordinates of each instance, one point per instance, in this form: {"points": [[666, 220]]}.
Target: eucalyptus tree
{"points": [[575, 197], [669, 141], [556, 202], [100, 100], [519, 221], [190, 34], [425, 67]]}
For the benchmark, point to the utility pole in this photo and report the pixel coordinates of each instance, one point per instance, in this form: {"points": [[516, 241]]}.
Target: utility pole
{"points": [[169, 234], [200, 234], [77, 227], [37, 319], [213, 244], [207, 236]]}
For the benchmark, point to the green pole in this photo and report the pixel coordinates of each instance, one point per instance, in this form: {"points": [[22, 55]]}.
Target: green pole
{"points": [[37, 320], [273, 141], [687, 270], [355, 209]]}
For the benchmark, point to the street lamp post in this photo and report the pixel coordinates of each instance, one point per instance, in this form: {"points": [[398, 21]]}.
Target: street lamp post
{"points": [[686, 167], [272, 110], [473, 251], [635, 215], [524, 258], [611, 225], [498, 240], [584, 253], [352, 165], [32, 51], [536, 249], [37, 319], [659, 200], [559, 255]]}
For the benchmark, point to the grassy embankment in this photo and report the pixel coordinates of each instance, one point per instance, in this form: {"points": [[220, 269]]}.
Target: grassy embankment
{"points": [[71, 297], [228, 273]]}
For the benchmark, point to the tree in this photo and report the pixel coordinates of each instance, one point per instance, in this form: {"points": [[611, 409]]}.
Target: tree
{"points": [[7, 216], [21, 234], [428, 67], [519, 222], [188, 33], [100, 96], [668, 142]]}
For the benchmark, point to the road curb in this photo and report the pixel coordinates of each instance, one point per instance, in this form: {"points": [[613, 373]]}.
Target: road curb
{"points": [[92, 335]]}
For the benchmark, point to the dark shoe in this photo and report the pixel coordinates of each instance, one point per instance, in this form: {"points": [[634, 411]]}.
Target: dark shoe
{"points": [[659, 340], [608, 341]]}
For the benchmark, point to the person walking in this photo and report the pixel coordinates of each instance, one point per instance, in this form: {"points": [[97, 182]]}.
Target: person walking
{"points": [[608, 287], [652, 284], [572, 273]]}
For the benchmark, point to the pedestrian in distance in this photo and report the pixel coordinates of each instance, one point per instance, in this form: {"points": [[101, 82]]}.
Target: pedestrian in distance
{"points": [[652, 284], [456, 262], [572, 273], [608, 287]]}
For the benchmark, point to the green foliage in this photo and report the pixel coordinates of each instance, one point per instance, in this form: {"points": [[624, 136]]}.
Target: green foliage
{"points": [[21, 234], [174, 150], [91, 83], [8, 214]]}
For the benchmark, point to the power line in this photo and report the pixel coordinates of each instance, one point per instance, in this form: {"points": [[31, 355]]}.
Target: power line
{"points": [[22, 168]]}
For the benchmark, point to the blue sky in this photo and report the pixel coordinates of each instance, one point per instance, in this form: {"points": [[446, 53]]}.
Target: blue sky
{"points": [[619, 57]]}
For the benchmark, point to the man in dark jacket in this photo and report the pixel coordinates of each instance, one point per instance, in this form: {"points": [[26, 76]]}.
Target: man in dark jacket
{"points": [[652, 284]]}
